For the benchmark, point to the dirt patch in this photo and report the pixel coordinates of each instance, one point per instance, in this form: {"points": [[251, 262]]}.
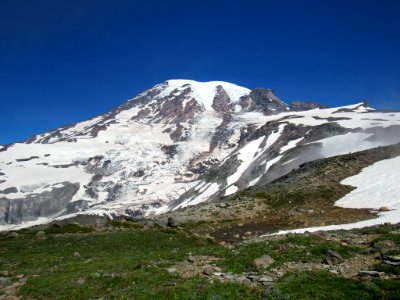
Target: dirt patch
{"points": [[242, 231], [194, 266]]}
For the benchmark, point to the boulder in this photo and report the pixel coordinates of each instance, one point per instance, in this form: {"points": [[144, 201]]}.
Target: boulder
{"points": [[208, 270], [175, 221], [333, 258], [172, 270], [243, 280], [5, 281], [369, 274], [393, 260], [391, 263], [384, 208], [263, 262], [266, 280], [253, 278]]}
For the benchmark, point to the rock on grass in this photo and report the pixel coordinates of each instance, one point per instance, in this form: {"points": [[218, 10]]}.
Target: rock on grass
{"points": [[263, 262]]}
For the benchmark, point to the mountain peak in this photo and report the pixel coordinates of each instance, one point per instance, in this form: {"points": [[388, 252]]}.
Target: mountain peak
{"points": [[205, 84], [203, 92]]}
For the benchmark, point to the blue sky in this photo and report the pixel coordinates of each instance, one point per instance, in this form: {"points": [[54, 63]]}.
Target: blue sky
{"points": [[63, 61]]}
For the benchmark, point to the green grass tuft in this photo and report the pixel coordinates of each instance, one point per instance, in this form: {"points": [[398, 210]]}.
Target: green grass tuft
{"points": [[323, 285], [68, 228], [302, 248]]}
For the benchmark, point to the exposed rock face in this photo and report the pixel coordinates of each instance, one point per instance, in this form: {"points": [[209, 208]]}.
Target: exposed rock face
{"points": [[222, 133], [177, 144], [27, 159], [100, 166], [9, 190], [263, 100], [170, 150], [46, 204], [221, 102], [301, 106]]}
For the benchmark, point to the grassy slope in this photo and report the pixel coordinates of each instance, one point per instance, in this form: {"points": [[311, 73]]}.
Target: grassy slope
{"points": [[124, 265], [131, 264], [316, 186], [306, 196]]}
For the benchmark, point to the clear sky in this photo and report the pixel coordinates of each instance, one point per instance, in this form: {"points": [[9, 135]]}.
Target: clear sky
{"points": [[63, 61]]}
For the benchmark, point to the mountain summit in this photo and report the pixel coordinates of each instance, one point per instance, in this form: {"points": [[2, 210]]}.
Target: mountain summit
{"points": [[177, 144]]}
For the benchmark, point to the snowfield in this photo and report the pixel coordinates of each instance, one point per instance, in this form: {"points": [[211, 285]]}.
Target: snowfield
{"points": [[377, 186]]}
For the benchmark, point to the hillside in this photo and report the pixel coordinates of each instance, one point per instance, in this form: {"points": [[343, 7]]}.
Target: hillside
{"points": [[306, 197]]}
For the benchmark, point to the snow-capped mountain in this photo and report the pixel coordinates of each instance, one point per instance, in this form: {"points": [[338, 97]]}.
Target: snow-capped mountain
{"points": [[179, 143]]}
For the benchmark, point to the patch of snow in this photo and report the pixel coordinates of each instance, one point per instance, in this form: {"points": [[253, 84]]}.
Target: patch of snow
{"points": [[210, 190], [290, 160], [22, 225], [376, 186], [290, 145], [269, 164], [273, 137], [231, 190], [238, 108], [346, 143], [246, 156], [204, 188], [251, 151]]}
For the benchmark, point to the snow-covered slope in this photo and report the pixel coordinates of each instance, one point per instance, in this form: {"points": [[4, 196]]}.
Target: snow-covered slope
{"points": [[377, 187], [177, 144]]}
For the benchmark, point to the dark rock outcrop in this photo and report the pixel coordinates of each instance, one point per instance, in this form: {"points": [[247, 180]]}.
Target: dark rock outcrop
{"points": [[263, 100], [53, 202], [222, 133], [26, 159], [301, 106], [221, 102], [10, 190], [170, 150], [333, 258]]}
